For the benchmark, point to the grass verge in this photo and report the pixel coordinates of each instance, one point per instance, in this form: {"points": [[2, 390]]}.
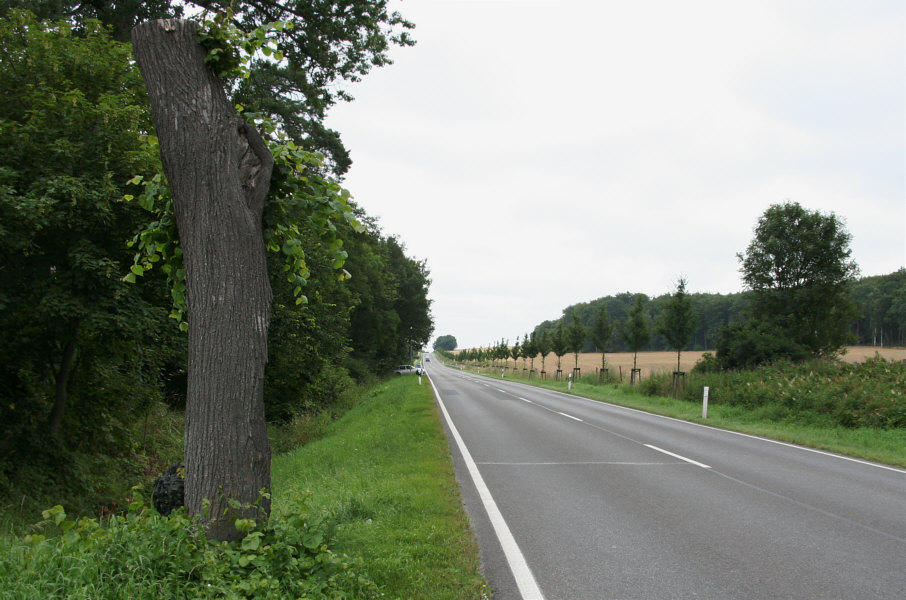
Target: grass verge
{"points": [[384, 471]]}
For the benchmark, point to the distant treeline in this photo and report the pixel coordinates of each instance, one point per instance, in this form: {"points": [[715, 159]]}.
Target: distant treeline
{"points": [[881, 300]]}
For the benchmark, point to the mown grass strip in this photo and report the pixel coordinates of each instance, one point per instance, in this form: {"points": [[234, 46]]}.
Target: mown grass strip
{"points": [[384, 472]]}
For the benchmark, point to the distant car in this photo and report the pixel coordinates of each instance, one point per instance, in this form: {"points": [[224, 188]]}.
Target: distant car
{"points": [[406, 370]]}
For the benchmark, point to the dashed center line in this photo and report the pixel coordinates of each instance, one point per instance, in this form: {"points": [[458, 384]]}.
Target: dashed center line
{"points": [[683, 458], [570, 416]]}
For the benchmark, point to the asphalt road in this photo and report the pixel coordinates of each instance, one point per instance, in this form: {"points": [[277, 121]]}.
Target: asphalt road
{"points": [[603, 502]]}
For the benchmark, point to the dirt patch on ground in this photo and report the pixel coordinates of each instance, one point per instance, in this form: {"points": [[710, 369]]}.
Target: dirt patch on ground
{"points": [[665, 362]]}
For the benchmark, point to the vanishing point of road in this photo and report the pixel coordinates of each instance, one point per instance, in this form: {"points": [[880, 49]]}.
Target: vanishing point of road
{"points": [[575, 499]]}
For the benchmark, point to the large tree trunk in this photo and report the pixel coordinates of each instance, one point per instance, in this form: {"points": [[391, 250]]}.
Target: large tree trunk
{"points": [[218, 169]]}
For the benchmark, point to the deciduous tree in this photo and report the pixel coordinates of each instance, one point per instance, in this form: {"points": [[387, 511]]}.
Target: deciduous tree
{"points": [[542, 343], [601, 332], [219, 169], [575, 337], [636, 331], [678, 319], [332, 42], [72, 109], [516, 352], [529, 351], [559, 343], [445, 342], [799, 269]]}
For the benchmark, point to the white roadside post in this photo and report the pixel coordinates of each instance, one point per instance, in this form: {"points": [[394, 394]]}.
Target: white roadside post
{"points": [[569, 382], [705, 404]]}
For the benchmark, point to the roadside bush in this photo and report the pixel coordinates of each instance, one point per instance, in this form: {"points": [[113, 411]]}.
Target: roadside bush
{"points": [[143, 555], [40, 471], [708, 363], [750, 344], [871, 394], [825, 392], [656, 385]]}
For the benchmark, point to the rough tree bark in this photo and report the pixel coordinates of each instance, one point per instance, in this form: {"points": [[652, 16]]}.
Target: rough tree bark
{"points": [[218, 169]]}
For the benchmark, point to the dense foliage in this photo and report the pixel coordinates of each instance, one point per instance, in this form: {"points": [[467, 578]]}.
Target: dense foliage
{"points": [[332, 42], [143, 555], [881, 302], [88, 357], [445, 342], [870, 394], [799, 270], [83, 354]]}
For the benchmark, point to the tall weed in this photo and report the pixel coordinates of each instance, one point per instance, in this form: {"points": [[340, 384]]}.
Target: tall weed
{"points": [[870, 394]]}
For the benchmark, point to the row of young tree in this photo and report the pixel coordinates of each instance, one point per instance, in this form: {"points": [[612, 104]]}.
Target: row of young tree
{"points": [[571, 336], [90, 283], [802, 300], [880, 321]]}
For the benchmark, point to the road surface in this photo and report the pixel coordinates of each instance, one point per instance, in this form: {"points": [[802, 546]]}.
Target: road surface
{"points": [[576, 499]]}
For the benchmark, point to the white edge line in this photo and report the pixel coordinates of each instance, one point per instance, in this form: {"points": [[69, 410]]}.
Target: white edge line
{"points": [[525, 581], [683, 458]]}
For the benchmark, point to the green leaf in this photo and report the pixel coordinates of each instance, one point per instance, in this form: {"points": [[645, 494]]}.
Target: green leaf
{"points": [[56, 512], [312, 540], [146, 201], [252, 541]]}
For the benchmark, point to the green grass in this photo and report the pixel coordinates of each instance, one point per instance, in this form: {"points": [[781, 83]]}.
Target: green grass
{"points": [[369, 509], [882, 445], [385, 471]]}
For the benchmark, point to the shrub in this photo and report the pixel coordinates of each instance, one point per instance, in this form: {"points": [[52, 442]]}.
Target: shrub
{"points": [[867, 395], [708, 363], [144, 555], [750, 344], [656, 385]]}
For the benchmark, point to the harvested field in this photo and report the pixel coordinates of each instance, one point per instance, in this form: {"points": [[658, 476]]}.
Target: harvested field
{"points": [[665, 362]]}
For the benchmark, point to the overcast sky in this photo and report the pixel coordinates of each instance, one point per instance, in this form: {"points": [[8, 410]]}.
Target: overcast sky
{"points": [[543, 153]]}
